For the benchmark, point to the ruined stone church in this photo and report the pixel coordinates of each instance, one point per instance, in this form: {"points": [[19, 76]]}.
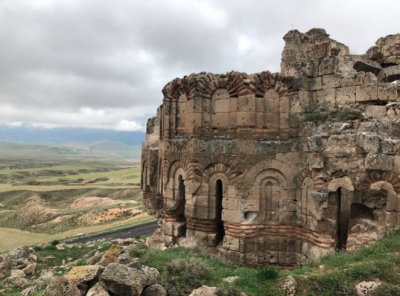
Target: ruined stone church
{"points": [[279, 168]]}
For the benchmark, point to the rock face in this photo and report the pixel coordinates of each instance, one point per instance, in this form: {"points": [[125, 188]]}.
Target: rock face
{"points": [[155, 290], [204, 291], [279, 168], [61, 286], [123, 280]]}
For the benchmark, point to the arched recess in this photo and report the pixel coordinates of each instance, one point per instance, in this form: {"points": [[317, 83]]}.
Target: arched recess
{"points": [[271, 187], [179, 197], [218, 185], [220, 107], [254, 175]]}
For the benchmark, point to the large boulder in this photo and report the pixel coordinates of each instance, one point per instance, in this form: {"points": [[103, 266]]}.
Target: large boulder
{"points": [[18, 258], [287, 286], [61, 286], [17, 279], [123, 280], [127, 260], [84, 274], [110, 256], [95, 258], [98, 290], [367, 288], [204, 291], [155, 290], [152, 274]]}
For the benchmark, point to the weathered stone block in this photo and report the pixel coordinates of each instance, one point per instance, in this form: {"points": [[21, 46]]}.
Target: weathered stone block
{"points": [[368, 143], [331, 81], [388, 92], [325, 96], [231, 216], [246, 119], [380, 162], [328, 65], [375, 111], [271, 120], [246, 103], [366, 93], [346, 95], [315, 83]]}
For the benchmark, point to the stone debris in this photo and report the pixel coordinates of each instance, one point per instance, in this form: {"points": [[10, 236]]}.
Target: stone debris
{"points": [[258, 167], [367, 288], [230, 279], [204, 291], [287, 286]]}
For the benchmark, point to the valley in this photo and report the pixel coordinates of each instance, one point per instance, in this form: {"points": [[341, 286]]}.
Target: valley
{"points": [[55, 192]]}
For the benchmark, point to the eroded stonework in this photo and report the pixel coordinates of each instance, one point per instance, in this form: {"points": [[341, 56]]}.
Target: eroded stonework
{"points": [[279, 168]]}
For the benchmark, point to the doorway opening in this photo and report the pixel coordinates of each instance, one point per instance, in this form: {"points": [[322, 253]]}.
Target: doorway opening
{"points": [[344, 203], [218, 211], [181, 203]]}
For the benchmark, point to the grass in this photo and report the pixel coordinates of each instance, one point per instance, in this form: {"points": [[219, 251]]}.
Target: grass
{"points": [[254, 282], [339, 274], [182, 270]]}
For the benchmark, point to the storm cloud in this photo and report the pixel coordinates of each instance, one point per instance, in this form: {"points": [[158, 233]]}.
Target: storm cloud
{"points": [[97, 63]]}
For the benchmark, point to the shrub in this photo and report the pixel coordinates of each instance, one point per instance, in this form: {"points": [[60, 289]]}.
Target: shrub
{"points": [[181, 276], [387, 290], [228, 290], [55, 242], [138, 250]]}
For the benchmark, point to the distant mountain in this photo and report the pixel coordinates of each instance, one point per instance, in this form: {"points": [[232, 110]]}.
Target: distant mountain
{"points": [[28, 133], [110, 146]]}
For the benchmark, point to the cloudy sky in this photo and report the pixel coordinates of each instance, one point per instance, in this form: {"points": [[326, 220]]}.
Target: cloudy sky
{"points": [[103, 63]]}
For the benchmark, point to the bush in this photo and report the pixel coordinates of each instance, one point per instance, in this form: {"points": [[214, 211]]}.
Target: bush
{"points": [[55, 242], [138, 250], [387, 290], [181, 276], [228, 290]]}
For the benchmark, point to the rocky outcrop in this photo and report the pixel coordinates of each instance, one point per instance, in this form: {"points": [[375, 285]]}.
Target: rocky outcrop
{"points": [[279, 168], [116, 273], [155, 290], [61, 286], [122, 280]]}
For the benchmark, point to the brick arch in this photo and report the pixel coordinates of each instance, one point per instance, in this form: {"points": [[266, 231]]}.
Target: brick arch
{"points": [[231, 171], [236, 83], [173, 168], [265, 165], [374, 177]]}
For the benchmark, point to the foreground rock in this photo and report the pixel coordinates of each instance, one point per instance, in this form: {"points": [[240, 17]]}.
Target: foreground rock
{"points": [[155, 290], [20, 258], [61, 286], [287, 286], [17, 279], [204, 291], [123, 280], [98, 290]]}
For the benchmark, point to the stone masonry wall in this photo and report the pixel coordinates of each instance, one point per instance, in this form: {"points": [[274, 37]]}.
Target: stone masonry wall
{"points": [[279, 168]]}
